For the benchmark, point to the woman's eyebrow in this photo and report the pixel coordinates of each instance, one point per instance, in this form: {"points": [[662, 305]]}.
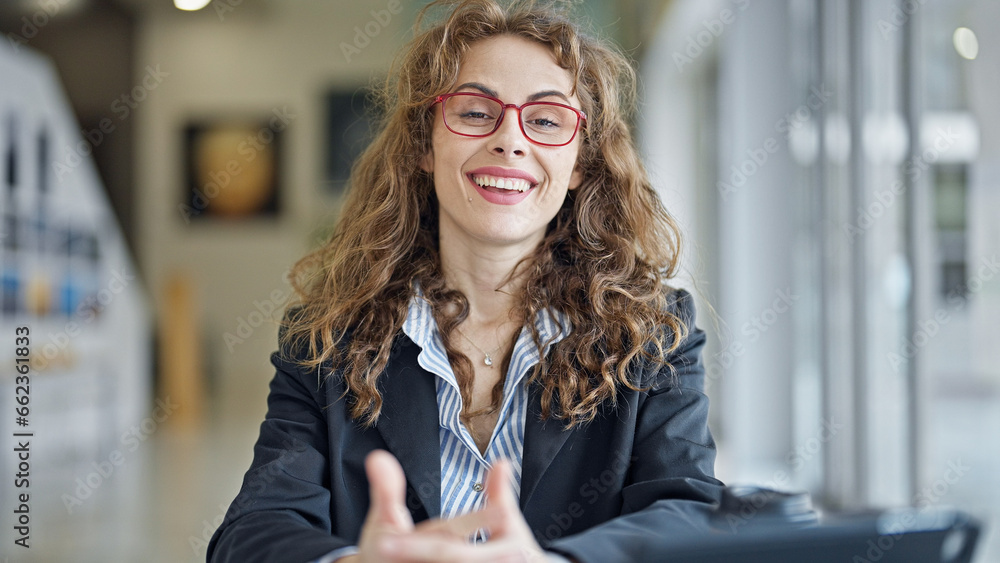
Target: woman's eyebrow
{"points": [[491, 92], [484, 89], [546, 94]]}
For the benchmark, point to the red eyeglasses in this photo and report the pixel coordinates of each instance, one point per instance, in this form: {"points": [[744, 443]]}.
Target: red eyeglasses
{"points": [[477, 115]]}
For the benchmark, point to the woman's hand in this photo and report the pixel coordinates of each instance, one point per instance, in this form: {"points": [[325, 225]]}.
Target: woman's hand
{"points": [[448, 540], [389, 534]]}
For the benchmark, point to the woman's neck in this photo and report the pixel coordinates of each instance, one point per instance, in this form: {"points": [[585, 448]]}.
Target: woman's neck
{"points": [[477, 270]]}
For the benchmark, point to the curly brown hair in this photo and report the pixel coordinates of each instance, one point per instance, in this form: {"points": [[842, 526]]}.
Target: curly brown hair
{"points": [[604, 262]]}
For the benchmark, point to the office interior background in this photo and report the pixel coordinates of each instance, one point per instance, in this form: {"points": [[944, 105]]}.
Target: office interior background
{"points": [[835, 165]]}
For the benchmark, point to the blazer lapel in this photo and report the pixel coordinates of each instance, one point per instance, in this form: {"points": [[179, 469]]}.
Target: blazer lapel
{"points": [[409, 422], [542, 441]]}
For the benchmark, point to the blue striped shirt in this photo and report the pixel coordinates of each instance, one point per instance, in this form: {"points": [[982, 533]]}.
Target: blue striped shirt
{"points": [[463, 467]]}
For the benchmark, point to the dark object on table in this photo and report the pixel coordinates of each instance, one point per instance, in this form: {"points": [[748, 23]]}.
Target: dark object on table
{"points": [[742, 505], [754, 525]]}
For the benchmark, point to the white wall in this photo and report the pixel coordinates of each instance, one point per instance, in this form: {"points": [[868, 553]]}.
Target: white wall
{"points": [[246, 63], [983, 76]]}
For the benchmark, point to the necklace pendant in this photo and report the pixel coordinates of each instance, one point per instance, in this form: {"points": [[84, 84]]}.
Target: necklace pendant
{"points": [[488, 360]]}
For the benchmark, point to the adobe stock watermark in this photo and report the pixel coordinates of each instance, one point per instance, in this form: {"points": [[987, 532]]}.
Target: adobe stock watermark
{"points": [[703, 39], [914, 168], [33, 24], [262, 312], [363, 34], [223, 7], [130, 442], [933, 493], [753, 330], [757, 157], [590, 492], [85, 314], [122, 107], [796, 458], [256, 482], [923, 500], [248, 150], [928, 328], [898, 16]]}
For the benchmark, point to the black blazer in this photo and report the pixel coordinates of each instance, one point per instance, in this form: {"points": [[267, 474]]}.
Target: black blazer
{"points": [[597, 493]]}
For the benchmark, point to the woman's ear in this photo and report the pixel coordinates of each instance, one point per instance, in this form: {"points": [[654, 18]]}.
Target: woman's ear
{"points": [[576, 178], [427, 161]]}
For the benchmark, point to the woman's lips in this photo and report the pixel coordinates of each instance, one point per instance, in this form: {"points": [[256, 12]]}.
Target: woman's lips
{"points": [[501, 172], [500, 196]]}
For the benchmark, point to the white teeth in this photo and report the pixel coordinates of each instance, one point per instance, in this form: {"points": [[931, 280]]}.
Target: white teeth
{"points": [[512, 184]]}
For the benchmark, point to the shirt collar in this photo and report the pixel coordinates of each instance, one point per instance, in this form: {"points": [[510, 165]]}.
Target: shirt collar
{"points": [[420, 327]]}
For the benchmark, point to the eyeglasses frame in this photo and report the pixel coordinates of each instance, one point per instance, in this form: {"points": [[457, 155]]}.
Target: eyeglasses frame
{"points": [[581, 116]]}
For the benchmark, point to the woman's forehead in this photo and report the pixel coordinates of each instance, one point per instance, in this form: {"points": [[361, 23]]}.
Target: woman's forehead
{"points": [[514, 66]]}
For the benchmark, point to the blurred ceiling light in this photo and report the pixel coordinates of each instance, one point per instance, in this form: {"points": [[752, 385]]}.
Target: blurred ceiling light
{"points": [[61, 7], [965, 43], [191, 5]]}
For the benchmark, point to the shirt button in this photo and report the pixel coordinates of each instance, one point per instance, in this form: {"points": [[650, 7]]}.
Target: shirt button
{"points": [[478, 487]]}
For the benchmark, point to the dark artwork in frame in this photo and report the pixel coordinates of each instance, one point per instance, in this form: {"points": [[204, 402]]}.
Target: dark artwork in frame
{"points": [[351, 116], [232, 169]]}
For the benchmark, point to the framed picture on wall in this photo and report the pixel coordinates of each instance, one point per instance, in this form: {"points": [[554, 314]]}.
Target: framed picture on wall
{"points": [[350, 125], [232, 168]]}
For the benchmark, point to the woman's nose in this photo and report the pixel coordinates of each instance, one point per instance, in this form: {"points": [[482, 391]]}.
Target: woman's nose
{"points": [[508, 139]]}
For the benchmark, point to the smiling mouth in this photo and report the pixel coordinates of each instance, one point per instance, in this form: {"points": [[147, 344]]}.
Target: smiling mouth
{"points": [[500, 183]]}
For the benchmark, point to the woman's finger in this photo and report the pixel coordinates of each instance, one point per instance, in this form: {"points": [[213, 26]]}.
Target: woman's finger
{"points": [[499, 492], [387, 490]]}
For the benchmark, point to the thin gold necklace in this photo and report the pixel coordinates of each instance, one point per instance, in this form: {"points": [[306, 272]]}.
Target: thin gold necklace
{"points": [[488, 360]]}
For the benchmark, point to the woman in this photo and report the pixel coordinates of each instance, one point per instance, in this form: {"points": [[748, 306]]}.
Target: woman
{"points": [[495, 296]]}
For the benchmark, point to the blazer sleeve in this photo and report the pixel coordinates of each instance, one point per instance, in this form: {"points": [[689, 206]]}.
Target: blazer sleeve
{"points": [[671, 489], [282, 512]]}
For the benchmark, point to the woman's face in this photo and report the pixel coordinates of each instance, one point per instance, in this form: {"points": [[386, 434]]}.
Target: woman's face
{"points": [[514, 70]]}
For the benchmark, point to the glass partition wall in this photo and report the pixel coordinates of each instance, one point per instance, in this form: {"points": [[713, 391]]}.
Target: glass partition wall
{"points": [[844, 229]]}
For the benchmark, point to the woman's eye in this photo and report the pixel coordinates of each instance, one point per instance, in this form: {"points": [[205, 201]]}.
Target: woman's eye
{"points": [[545, 123]]}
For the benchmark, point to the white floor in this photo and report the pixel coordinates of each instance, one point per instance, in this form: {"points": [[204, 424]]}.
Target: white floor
{"points": [[160, 505]]}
